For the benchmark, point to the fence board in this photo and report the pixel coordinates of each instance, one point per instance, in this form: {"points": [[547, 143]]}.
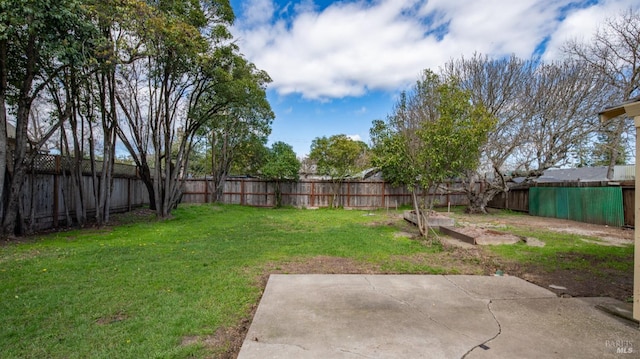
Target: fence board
{"points": [[315, 194], [46, 198], [47, 195]]}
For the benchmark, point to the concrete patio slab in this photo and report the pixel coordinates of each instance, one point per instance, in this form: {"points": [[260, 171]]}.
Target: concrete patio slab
{"points": [[428, 316]]}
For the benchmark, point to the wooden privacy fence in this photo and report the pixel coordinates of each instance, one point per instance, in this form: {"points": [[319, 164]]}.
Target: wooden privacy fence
{"points": [[516, 199], [48, 198], [314, 193], [589, 202]]}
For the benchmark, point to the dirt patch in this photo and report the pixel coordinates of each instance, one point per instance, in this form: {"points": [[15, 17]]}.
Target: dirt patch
{"points": [[320, 265], [135, 216], [483, 236], [225, 343], [605, 233]]}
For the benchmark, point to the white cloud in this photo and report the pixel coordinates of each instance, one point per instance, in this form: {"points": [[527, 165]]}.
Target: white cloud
{"points": [[581, 24], [355, 137], [257, 12], [349, 48]]}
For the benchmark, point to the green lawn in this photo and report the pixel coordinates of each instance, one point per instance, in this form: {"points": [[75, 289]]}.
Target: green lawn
{"points": [[145, 288], [139, 289]]}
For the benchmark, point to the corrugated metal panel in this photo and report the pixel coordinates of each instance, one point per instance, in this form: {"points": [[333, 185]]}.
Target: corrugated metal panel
{"points": [[624, 173], [599, 205]]}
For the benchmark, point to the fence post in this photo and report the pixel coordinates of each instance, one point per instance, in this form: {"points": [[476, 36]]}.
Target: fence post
{"points": [[506, 199], [242, 201], [56, 184], [383, 204], [313, 188], [206, 190]]}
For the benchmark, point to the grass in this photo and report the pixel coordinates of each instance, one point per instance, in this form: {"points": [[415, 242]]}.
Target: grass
{"points": [[141, 288], [567, 251]]}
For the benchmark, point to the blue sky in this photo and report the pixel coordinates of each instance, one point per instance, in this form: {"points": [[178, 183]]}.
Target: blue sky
{"points": [[338, 65]]}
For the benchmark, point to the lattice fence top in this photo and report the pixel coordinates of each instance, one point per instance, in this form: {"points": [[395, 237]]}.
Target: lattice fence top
{"points": [[57, 164]]}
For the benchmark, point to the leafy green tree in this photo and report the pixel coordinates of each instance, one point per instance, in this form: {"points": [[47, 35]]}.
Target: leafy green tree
{"points": [[37, 40], [338, 157], [435, 133], [250, 157], [192, 84], [236, 116], [281, 165], [156, 86]]}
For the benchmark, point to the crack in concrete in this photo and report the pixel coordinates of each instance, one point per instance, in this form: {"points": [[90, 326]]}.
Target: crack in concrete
{"points": [[354, 353], [470, 295], [403, 302], [483, 344], [459, 287]]}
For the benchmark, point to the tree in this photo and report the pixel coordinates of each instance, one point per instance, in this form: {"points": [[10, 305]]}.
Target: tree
{"points": [[243, 122], [434, 133], [614, 52], [36, 40], [153, 97], [281, 165], [191, 83], [544, 113], [250, 157], [338, 157], [499, 86], [563, 96], [600, 155]]}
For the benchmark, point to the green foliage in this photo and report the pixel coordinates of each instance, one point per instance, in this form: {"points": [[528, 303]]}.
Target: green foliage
{"points": [[338, 156], [281, 163], [455, 138], [435, 133], [249, 157], [601, 152]]}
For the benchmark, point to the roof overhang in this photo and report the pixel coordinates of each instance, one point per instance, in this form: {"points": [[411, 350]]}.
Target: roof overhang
{"points": [[630, 108]]}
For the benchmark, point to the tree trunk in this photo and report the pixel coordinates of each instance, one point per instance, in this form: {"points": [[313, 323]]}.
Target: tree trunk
{"points": [[278, 194], [4, 148], [335, 194], [145, 176], [420, 220], [614, 146], [19, 165]]}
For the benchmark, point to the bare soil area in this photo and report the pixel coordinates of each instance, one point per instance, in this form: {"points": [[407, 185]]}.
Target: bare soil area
{"points": [[612, 235]]}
